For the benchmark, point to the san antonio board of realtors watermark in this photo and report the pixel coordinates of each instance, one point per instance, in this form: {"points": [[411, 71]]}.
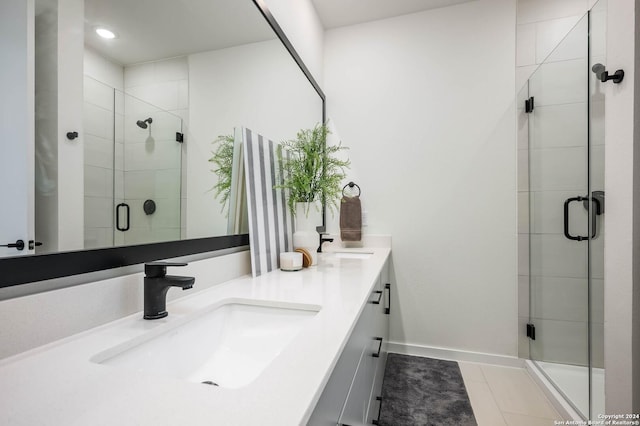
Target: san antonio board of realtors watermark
{"points": [[604, 420]]}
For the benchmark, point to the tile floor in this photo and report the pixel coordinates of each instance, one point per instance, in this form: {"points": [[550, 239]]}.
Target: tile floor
{"points": [[506, 396]]}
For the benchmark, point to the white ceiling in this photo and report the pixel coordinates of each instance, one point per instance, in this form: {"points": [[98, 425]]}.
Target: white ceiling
{"points": [[338, 13], [150, 30], [157, 29]]}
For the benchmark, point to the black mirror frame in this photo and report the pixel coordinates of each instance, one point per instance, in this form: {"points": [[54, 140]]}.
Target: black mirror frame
{"points": [[27, 269]]}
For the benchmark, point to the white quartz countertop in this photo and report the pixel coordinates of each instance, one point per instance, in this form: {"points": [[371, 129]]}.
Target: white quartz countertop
{"points": [[58, 384]]}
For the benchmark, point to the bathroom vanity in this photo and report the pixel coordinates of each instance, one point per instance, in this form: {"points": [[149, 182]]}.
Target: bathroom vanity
{"points": [[353, 393], [285, 348]]}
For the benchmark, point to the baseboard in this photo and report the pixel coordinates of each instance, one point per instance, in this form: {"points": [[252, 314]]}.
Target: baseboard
{"points": [[456, 355], [556, 398]]}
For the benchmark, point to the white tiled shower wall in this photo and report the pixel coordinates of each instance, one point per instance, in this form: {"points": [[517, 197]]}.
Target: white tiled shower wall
{"points": [[542, 24], [101, 76], [153, 167], [155, 159], [560, 111]]}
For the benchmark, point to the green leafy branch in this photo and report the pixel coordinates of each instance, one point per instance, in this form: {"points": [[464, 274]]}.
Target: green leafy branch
{"points": [[310, 169], [223, 161]]}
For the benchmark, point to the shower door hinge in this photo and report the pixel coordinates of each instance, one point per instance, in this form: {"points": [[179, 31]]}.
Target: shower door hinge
{"points": [[528, 105], [179, 137], [531, 331]]}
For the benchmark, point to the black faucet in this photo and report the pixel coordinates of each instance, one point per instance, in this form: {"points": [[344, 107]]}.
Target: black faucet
{"points": [[156, 285], [322, 233]]}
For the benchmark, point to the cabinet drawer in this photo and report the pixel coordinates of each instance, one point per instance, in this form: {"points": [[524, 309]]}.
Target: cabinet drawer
{"points": [[376, 389], [332, 402], [357, 403]]}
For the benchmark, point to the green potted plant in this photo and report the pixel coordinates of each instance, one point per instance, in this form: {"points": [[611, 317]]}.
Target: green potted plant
{"points": [[311, 173], [222, 160]]}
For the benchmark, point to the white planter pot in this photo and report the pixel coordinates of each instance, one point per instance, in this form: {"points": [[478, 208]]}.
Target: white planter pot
{"points": [[308, 217]]}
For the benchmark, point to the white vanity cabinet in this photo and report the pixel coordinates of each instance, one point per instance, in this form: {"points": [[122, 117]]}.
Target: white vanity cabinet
{"points": [[383, 312], [351, 396]]}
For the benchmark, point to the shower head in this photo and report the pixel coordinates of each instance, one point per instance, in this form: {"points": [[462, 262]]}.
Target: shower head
{"points": [[143, 124], [598, 69]]}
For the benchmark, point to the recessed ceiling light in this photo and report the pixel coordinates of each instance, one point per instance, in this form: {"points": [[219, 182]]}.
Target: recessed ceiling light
{"points": [[105, 33]]}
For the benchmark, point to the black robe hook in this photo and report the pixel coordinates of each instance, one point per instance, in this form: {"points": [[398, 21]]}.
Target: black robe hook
{"points": [[616, 77]]}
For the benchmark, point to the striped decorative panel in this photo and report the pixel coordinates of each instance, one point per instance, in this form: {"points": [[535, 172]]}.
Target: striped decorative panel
{"points": [[270, 221]]}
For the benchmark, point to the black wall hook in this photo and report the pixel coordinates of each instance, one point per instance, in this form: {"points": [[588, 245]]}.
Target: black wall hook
{"points": [[72, 135], [616, 77]]}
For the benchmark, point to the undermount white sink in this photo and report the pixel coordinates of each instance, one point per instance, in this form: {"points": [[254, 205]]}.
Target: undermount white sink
{"points": [[229, 345], [353, 254]]}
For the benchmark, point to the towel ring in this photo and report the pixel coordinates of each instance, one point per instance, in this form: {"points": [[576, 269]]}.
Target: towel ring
{"points": [[351, 185]]}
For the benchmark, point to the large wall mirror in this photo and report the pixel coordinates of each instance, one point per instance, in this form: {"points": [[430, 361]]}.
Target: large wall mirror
{"points": [[143, 174]]}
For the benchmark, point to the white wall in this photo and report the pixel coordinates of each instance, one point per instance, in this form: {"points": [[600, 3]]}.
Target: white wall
{"points": [[426, 104], [622, 218], [70, 100], [300, 22], [16, 122], [59, 194], [103, 70]]}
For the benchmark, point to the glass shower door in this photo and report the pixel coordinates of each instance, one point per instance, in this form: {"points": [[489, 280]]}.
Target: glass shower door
{"points": [[597, 57], [559, 216], [148, 173]]}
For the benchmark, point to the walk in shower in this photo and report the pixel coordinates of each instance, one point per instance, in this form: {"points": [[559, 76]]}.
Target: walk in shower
{"points": [[562, 120], [133, 169]]}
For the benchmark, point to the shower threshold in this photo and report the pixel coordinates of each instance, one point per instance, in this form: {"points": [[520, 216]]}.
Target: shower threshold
{"points": [[572, 380]]}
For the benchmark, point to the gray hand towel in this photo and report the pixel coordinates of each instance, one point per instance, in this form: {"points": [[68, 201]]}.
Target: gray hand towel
{"points": [[350, 219]]}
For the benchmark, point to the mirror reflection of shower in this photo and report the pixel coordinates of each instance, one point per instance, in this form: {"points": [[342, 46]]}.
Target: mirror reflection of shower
{"points": [[598, 94], [144, 124], [598, 69], [150, 142]]}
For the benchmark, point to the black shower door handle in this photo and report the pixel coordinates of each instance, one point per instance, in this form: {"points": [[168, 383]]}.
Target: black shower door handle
{"points": [[594, 221], [128, 212]]}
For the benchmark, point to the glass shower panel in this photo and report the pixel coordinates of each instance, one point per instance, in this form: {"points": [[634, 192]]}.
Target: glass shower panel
{"points": [[597, 56], [147, 182], [558, 217]]}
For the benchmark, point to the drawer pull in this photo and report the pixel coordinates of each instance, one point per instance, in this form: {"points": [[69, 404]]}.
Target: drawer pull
{"points": [[377, 421], [377, 354], [379, 293], [387, 309]]}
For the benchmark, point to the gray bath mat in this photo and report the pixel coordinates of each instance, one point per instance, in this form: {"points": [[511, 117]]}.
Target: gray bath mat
{"points": [[420, 391]]}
